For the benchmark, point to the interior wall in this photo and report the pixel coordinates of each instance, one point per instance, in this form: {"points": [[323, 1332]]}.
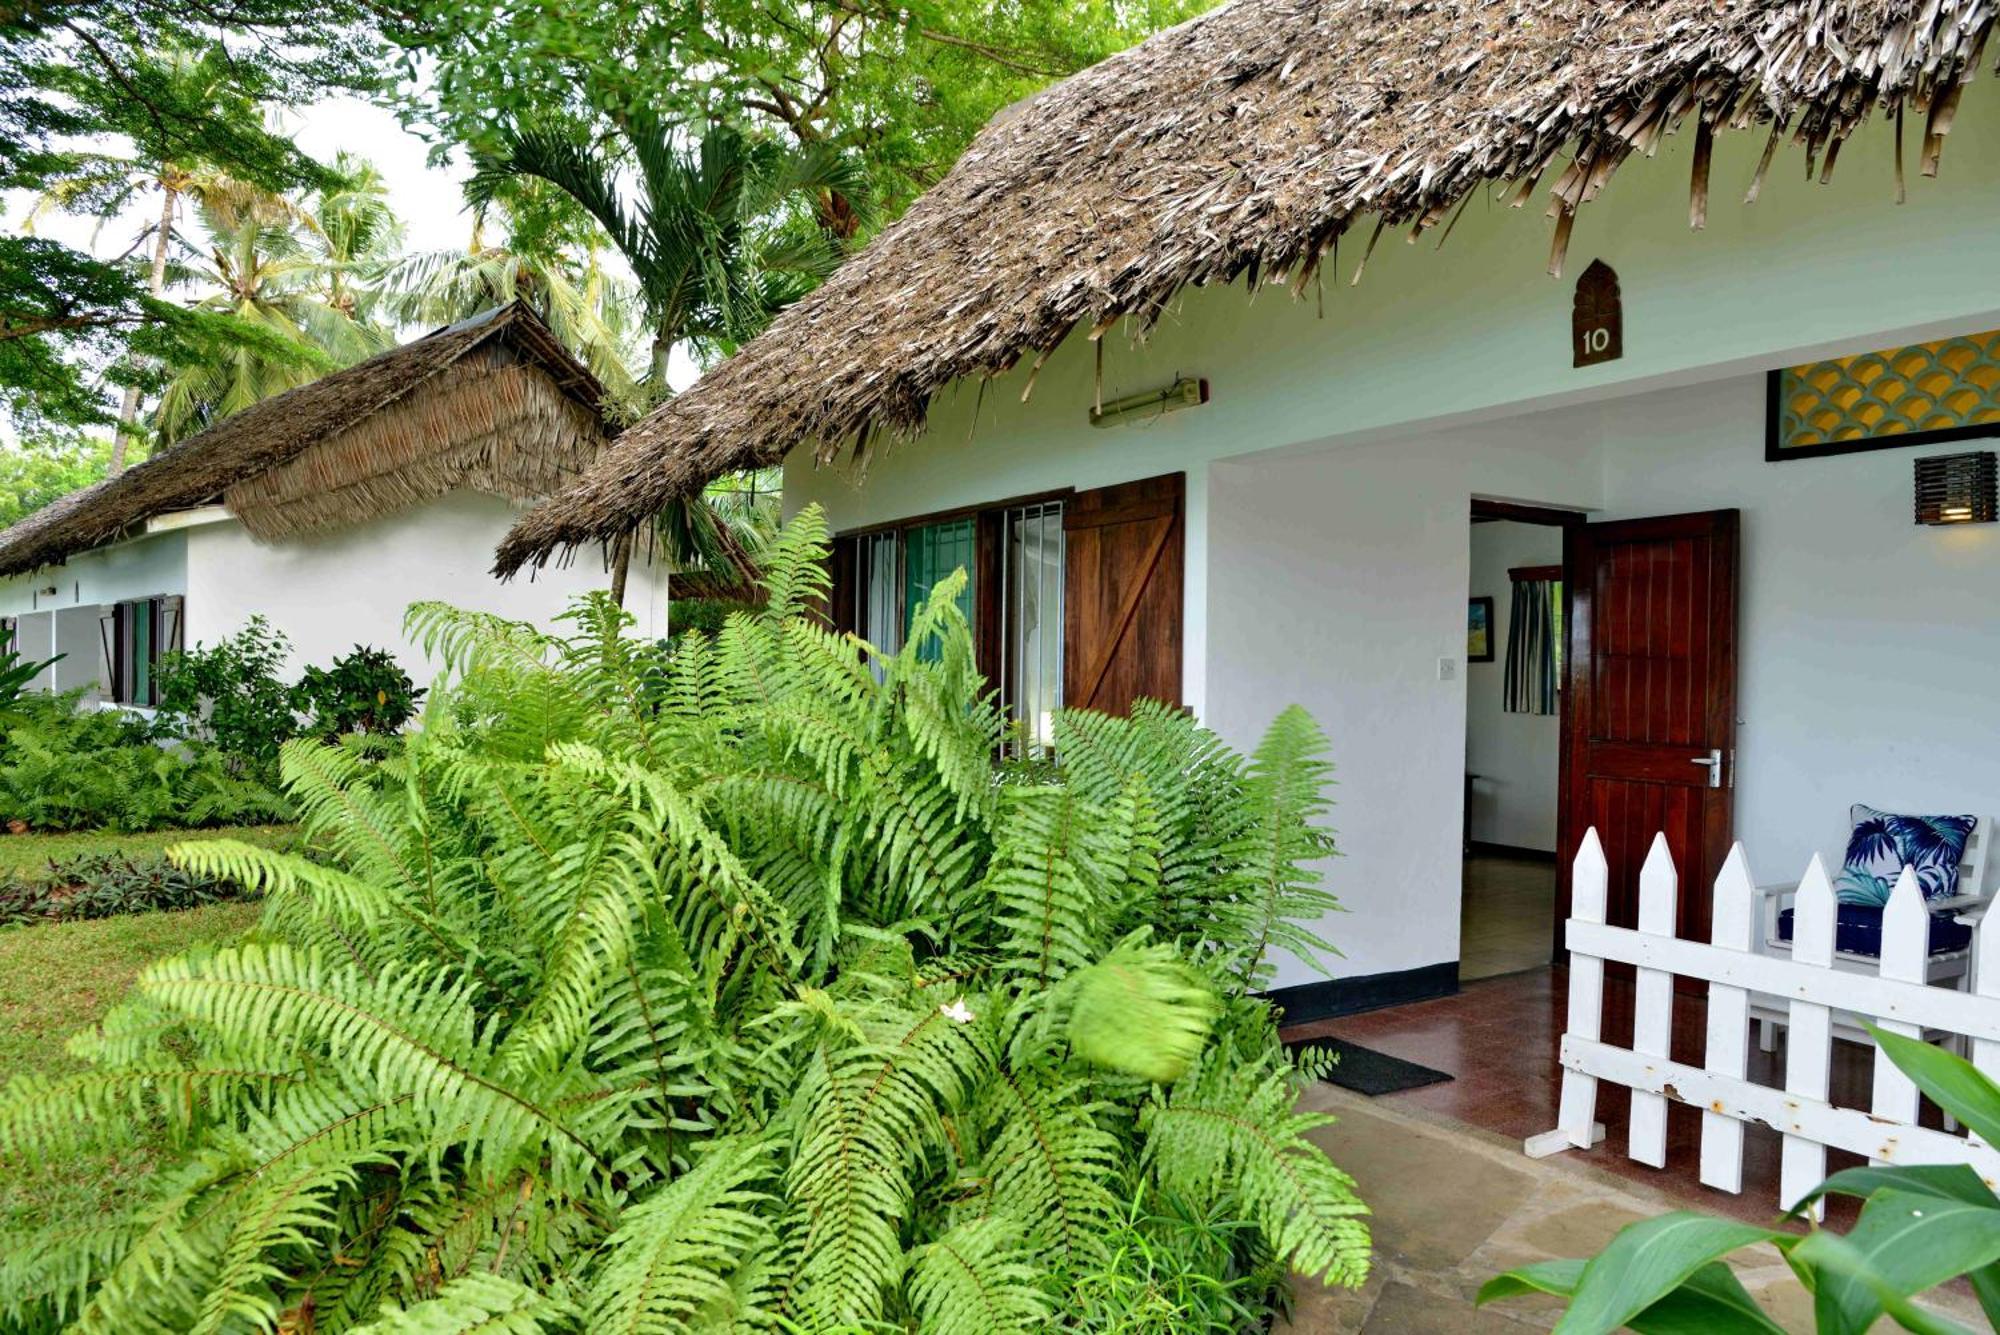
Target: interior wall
{"points": [[352, 586], [1515, 757]]}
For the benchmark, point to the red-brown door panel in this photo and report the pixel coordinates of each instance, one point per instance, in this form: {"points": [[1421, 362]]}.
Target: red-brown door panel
{"points": [[1649, 699]]}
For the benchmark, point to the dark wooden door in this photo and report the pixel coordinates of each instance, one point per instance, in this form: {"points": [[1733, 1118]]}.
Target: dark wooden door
{"points": [[1649, 705], [1122, 581]]}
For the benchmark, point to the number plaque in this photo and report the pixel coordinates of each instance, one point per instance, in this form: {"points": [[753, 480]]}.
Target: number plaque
{"points": [[1597, 321]]}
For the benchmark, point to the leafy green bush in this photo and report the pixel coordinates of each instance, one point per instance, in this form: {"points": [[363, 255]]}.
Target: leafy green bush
{"points": [[230, 694], [15, 674], [365, 691], [1921, 1225], [756, 1004], [62, 768], [102, 885]]}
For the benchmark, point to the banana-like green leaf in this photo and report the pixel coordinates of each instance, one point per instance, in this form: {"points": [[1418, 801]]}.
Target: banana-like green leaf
{"points": [[1954, 1084], [1556, 1277], [1646, 1262], [1903, 1244], [1712, 1301], [1949, 1181]]}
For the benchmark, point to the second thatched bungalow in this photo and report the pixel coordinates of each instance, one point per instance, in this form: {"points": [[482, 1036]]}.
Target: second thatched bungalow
{"points": [[328, 510]]}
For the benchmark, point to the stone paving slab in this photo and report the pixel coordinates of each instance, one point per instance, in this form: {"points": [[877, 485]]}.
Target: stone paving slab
{"points": [[1454, 1206]]}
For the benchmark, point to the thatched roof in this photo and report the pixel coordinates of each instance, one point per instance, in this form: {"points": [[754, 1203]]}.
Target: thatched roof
{"points": [[1243, 143], [494, 403]]}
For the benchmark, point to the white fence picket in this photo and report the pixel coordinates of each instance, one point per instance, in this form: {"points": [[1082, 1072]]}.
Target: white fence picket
{"points": [[1590, 876], [1809, 1037], [1896, 997], [1653, 1004], [1728, 1045], [1906, 945]]}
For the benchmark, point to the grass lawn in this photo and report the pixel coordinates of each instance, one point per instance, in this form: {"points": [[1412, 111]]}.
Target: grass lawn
{"points": [[28, 855], [61, 977]]}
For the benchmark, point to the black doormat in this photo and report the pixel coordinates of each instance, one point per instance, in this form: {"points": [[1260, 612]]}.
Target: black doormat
{"points": [[1367, 1071]]}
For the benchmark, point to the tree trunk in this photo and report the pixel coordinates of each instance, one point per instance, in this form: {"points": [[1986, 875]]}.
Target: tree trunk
{"points": [[128, 407], [621, 565]]}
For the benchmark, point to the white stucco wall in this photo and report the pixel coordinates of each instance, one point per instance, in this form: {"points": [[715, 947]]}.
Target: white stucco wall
{"points": [[331, 592], [1328, 480], [1515, 756], [58, 609]]}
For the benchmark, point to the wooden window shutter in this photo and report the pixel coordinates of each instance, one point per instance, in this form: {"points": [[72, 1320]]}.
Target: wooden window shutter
{"points": [[1123, 562], [846, 583]]}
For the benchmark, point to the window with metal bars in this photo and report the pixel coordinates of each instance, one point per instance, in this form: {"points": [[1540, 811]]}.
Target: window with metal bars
{"points": [[1012, 556], [1031, 620]]}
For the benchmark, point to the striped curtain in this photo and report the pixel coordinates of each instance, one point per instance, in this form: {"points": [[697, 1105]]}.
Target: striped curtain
{"points": [[1531, 648]]}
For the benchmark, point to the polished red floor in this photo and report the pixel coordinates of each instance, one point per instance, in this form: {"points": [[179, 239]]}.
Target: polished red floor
{"points": [[1498, 1038]]}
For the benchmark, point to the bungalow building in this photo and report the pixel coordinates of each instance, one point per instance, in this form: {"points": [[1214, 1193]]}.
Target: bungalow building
{"points": [[1549, 397], [328, 509]]}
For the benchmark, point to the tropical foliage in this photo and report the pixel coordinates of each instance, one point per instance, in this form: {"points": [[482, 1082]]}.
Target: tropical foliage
{"points": [[105, 884], [1920, 1226], [362, 691], [725, 989], [62, 768], [182, 83], [231, 694]]}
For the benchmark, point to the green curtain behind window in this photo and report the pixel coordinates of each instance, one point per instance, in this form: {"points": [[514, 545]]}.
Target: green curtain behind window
{"points": [[933, 552]]}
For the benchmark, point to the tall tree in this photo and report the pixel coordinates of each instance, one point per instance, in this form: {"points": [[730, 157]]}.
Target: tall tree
{"points": [[901, 87], [552, 258], [720, 233], [175, 78], [286, 270]]}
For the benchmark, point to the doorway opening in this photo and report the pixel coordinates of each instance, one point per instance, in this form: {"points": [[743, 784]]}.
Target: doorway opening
{"points": [[1513, 738]]}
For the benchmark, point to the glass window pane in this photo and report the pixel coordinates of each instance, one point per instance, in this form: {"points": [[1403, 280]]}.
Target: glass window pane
{"points": [[878, 617], [142, 653], [1031, 611], [935, 551]]}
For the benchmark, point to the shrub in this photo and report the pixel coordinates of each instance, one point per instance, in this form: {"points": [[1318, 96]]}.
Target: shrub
{"points": [[231, 695], [65, 769], [15, 674], [365, 691], [761, 1006], [102, 885], [1921, 1225]]}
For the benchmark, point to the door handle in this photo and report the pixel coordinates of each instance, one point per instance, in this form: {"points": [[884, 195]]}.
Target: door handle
{"points": [[1714, 762]]}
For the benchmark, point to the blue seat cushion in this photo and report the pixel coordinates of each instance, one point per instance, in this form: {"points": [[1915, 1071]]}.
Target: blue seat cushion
{"points": [[1857, 930]]}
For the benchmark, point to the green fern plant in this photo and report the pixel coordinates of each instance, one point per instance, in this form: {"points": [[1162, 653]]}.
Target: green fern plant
{"points": [[724, 989]]}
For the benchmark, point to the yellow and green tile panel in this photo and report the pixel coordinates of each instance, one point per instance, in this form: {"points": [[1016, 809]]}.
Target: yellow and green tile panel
{"points": [[1948, 385]]}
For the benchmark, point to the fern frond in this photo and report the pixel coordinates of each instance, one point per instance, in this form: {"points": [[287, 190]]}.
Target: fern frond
{"points": [[1286, 791], [1228, 1130], [477, 1305], [1140, 1010], [979, 1278], [673, 1253]]}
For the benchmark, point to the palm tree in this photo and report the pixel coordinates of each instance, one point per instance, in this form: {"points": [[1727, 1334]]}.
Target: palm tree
{"points": [[106, 184], [287, 273], [588, 308], [720, 233]]}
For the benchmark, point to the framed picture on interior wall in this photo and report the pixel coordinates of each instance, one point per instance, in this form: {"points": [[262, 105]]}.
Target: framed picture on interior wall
{"points": [[1479, 631], [1922, 394]]}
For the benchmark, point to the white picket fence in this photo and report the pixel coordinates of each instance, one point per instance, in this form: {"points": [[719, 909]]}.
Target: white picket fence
{"points": [[1807, 987]]}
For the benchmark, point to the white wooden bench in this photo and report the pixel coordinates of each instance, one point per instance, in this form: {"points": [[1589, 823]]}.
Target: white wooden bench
{"points": [[1944, 968]]}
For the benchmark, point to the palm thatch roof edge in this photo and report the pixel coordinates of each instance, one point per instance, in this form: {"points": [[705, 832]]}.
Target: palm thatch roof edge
{"points": [[1244, 143]]}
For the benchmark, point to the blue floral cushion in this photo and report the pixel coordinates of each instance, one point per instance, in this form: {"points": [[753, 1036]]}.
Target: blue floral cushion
{"points": [[1883, 844]]}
